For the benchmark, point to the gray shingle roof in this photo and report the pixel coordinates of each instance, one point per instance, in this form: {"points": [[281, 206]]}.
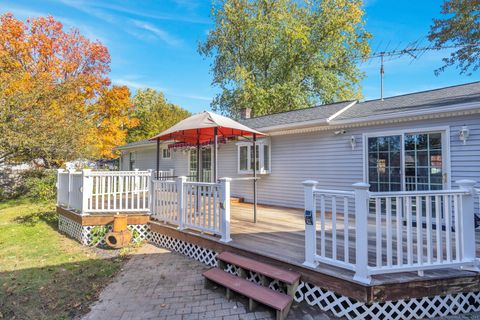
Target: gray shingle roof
{"points": [[322, 112], [425, 100]]}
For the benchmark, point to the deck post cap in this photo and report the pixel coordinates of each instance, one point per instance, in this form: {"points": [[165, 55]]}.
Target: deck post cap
{"points": [[361, 185], [225, 179], [310, 183]]}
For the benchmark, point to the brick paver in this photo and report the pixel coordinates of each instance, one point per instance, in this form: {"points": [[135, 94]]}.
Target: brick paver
{"points": [[159, 284]]}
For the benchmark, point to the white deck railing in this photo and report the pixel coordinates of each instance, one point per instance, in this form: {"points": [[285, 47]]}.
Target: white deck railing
{"points": [[194, 205], [379, 233], [90, 191]]}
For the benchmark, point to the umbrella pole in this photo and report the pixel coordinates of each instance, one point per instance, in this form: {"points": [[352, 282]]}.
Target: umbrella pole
{"points": [[158, 159], [215, 144], [255, 178]]}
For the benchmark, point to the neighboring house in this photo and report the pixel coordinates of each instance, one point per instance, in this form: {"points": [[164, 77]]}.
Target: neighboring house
{"points": [[419, 141]]}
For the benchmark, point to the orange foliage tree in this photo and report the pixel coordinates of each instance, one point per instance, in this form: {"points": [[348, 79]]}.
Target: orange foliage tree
{"points": [[55, 94]]}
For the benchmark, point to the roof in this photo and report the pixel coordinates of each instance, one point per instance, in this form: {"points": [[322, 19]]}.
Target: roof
{"points": [[201, 127], [299, 116], [139, 143], [428, 101], [417, 101]]}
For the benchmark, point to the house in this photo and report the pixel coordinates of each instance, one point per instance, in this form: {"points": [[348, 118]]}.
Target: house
{"points": [[371, 203], [420, 141]]}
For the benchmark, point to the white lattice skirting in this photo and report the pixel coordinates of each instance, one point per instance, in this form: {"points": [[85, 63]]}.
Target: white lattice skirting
{"points": [[339, 305], [85, 236]]}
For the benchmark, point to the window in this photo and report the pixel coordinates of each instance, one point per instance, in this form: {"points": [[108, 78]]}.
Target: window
{"points": [[166, 153], [246, 157], [406, 161], [131, 161]]}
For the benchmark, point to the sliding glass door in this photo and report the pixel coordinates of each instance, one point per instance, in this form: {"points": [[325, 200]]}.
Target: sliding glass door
{"points": [[406, 162]]}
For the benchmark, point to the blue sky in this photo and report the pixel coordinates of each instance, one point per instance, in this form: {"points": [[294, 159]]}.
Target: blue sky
{"points": [[154, 43]]}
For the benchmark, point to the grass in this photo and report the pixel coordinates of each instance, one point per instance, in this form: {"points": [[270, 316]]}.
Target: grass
{"points": [[43, 274]]}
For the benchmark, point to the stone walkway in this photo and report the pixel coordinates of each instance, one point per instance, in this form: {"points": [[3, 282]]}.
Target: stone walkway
{"points": [[159, 284]]}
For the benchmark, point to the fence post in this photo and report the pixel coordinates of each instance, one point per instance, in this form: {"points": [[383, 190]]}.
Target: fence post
{"points": [[225, 209], [361, 232], [181, 212], [151, 191], [468, 221], [59, 172], [310, 224], [86, 189]]}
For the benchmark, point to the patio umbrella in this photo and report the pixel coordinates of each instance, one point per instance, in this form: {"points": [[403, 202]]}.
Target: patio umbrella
{"points": [[207, 127]]}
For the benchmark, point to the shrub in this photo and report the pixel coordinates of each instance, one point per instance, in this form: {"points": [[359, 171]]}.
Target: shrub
{"points": [[39, 184]]}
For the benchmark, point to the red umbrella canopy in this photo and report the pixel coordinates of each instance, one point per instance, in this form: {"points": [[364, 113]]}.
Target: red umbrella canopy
{"points": [[200, 127]]}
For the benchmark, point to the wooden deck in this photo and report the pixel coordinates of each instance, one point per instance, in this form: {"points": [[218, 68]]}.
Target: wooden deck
{"points": [[278, 238]]}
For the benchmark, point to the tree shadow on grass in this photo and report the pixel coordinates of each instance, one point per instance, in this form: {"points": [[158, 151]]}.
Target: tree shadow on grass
{"points": [[49, 217], [63, 291]]}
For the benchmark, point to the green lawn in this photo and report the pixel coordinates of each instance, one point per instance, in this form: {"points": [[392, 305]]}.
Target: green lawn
{"points": [[43, 274]]}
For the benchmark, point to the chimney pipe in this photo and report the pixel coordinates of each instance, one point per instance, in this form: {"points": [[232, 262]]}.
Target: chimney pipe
{"points": [[245, 113]]}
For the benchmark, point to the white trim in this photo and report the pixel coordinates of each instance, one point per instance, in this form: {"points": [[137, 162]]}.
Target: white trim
{"points": [[445, 130], [261, 156]]}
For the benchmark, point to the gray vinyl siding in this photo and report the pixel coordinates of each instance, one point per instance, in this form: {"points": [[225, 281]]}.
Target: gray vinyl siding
{"points": [[326, 158]]}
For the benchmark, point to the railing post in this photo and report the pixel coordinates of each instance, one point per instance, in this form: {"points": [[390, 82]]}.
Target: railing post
{"points": [[225, 209], [86, 189], [59, 172], [150, 191], [181, 212], [171, 173], [310, 224], [69, 188], [468, 221], [361, 232], [136, 183]]}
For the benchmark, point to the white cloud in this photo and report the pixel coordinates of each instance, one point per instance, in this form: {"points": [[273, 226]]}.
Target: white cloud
{"points": [[159, 33]]}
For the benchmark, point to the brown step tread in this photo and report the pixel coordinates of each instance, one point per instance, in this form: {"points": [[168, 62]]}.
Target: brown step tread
{"points": [[286, 276], [268, 297]]}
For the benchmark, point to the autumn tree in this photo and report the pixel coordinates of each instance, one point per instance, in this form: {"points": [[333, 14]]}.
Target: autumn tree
{"points": [[112, 120], [278, 55], [459, 27], [155, 114], [50, 81]]}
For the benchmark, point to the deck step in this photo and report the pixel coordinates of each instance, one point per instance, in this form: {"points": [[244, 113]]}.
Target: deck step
{"points": [[286, 276], [276, 300]]}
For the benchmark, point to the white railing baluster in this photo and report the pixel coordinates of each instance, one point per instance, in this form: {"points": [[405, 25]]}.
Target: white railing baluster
{"points": [[408, 212], [428, 212], [322, 225], [334, 228], [438, 218], [378, 229], [346, 244], [388, 204], [418, 203], [400, 210], [448, 226]]}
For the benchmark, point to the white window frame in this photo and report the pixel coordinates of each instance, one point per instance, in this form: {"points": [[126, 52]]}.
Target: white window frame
{"points": [[261, 156], [444, 130], [211, 162], [169, 153]]}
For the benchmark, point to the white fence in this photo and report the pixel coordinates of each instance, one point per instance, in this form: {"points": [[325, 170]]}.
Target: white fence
{"points": [[194, 205], [379, 233], [90, 191]]}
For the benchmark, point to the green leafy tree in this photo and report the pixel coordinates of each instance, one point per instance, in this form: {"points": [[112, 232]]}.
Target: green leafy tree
{"points": [[155, 114], [460, 27], [279, 55]]}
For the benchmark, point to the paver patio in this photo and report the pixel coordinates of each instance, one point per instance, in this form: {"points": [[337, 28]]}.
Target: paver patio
{"points": [[159, 284]]}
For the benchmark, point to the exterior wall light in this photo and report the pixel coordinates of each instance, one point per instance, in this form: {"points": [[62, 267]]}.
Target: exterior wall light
{"points": [[463, 134], [353, 142]]}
